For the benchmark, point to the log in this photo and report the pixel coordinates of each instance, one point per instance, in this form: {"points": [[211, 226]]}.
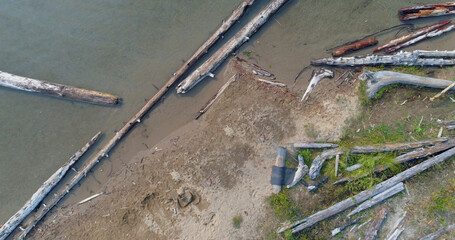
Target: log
{"points": [[439, 233], [395, 232], [432, 34], [262, 72], [90, 198], [42, 192], [337, 162], [314, 145], [273, 83], [237, 40], [317, 76], [442, 92], [302, 170], [378, 80], [318, 184], [376, 225], [425, 152], [57, 90], [378, 198], [445, 122], [279, 162], [354, 167], [366, 42], [402, 58], [396, 146], [428, 10], [342, 228], [412, 35], [364, 195], [316, 165]]}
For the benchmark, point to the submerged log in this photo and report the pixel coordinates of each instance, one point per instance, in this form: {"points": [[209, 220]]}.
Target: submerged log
{"points": [[439, 233], [376, 225], [412, 35], [378, 80], [317, 76], [428, 10], [364, 195], [414, 58], [237, 40], [54, 89], [396, 146], [366, 42], [314, 145], [302, 170], [42, 192], [316, 165]]}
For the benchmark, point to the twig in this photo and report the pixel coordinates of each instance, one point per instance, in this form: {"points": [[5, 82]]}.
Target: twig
{"points": [[442, 92]]}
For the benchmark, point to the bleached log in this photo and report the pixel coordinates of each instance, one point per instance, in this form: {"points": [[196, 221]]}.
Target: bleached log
{"points": [[394, 233], [396, 146], [376, 225], [337, 162], [378, 80], [316, 165], [314, 145], [378, 198], [212, 101], [436, 54], [276, 84], [279, 162], [317, 76], [237, 40], [425, 152], [364, 195], [90, 198], [354, 167], [443, 91], [342, 228], [57, 90], [42, 192], [302, 170], [402, 58], [439, 233], [318, 184]]}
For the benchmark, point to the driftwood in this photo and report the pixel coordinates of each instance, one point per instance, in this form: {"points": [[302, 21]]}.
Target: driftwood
{"points": [[364, 195], [354, 167], [262, 72], [273, 83], [279, 162], [318, 184], [396, 146], [415, 58], [342, 228], [42, 192], [366, 42], [378, 198], [337, 162], [445, 122], [314, 145], [378, 80], [442, 92], [428, 10], [316, 165], [409, 36], [302, 170], [317, 76], [439, 233], [373, 231], [432, 34], [425, 152], [90, 198], [54, 89], [395, 232], [239, 38]]}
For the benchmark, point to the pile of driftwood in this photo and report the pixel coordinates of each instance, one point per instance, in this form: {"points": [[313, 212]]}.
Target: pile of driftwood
{"points": [[440, 148]]}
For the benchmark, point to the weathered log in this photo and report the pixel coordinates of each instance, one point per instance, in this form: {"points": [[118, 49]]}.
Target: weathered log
{"points": [[425, 152], [302, 170], [402, 58], [396, 146], [337, 162], [318, 184], [54, 89], [432, 34], [376, 225], [451, 127], [442, 92], [364, 195], [90, 198], [378, 198], [279, 162], [395, 232], [314, 145], [436, 54], [409, 36], [317, 76], [273, 83], [262, 72], [354, 167], [342, 228], [445, 122], [239, 38], [316, 165], [428, 10], [439, 233], [366, 42], [378, 80], [42, 192]]}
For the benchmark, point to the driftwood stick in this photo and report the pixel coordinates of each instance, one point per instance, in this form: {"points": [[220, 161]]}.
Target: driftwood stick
{"points": [[354, 167], [219, 56], [273, 83], [90, 198], [396, 146], [442, 92], [364, 195], [316, 165], [376, 225], [337, 162], [427, 10], [42, 192], [342, 228], [425, 152], [439, 233], [314, 145], [363, 43], [445, 122], [378, 198], [54, 89], [395, 231], [318, 184], [317, 76]]}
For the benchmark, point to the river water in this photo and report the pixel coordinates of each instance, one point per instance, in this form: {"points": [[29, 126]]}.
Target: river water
{"points": [[129, 48]]}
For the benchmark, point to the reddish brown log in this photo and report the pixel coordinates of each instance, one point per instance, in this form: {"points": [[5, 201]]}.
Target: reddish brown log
{"points": [[428, 10], [366, 42]]}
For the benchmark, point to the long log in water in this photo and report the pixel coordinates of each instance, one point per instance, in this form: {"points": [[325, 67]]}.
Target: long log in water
{"points": [[239, 38], [41, 193], [362, 196], [54, 89]]}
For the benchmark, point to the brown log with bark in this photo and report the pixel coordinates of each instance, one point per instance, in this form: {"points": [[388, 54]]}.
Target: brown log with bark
{"points": [[428, 10], [364, 43], [376, 225], [396, 146]]}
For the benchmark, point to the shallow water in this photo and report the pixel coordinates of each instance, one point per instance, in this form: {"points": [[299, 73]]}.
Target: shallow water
{"points": [[127, 47]]}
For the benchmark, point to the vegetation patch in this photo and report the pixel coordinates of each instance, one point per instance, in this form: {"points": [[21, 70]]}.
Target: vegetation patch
{"points": [[444, 200], [237, 221], [283, 206]]}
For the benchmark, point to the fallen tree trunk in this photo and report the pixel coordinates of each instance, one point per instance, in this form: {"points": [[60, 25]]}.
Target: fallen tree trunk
{"points": [[318, 184], [427, 10], [317, 76], [373, 231], [396, 146], [364, 195], [378, 80], [302, 170], [273, 83], [54, 89], [439, 233], [342, 228], [314, 145], [42, 192], [395, 232], [402, 58], [425, 152], [366, 42], [219, 56], [316, 165]]}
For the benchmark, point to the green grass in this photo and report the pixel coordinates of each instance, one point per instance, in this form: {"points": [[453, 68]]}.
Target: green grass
{"points": [[237, 221], [283, 206], [444, 200]]}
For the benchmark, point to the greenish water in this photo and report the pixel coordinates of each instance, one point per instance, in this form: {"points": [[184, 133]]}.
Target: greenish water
{"points": [[125, 48]]}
